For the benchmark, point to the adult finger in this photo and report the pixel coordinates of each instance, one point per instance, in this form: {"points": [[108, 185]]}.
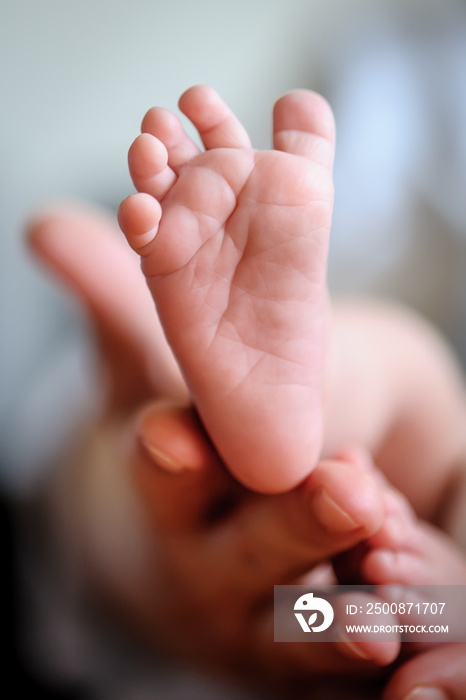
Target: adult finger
{"points": [[179, 476], [278, 538], [84, 248]]}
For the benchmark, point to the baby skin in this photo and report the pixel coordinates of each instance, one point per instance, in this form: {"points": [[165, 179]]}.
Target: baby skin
{"points": [[234, 245], [405, 550]]}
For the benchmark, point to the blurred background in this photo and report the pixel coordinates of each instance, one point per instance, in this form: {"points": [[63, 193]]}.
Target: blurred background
{"points": [[76, 79]]}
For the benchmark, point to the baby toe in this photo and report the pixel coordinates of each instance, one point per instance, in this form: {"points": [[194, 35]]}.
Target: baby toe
{"points": [[139, 216], [148, 166]]}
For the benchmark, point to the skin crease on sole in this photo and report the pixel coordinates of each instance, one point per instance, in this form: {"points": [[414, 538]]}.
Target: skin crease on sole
{"points": [[234, 246]]}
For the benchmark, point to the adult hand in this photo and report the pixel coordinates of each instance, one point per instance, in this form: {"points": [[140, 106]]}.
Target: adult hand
{"points": [[221, 549], [200, 549], [85, 249]]}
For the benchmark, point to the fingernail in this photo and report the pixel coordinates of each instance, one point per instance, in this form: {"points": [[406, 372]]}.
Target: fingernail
{"points": [[425, 692], [352, 650], [332, 515], [162, 459], [158, 430]]}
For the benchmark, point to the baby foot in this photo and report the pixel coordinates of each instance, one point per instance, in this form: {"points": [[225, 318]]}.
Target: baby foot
{"points": [[234, 245], [405, 551], [414, 553]]}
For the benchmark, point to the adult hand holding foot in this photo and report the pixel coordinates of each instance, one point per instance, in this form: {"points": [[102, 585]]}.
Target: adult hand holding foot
{"points": [[223, 548], [153, 479], [200, 549]]}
